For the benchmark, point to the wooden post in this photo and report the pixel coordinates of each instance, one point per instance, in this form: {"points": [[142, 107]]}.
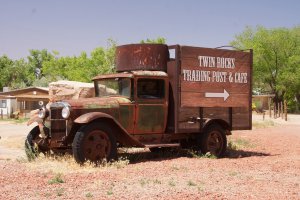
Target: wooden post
{"points": [[281, 106], [274, 108], [282, 109], [278, 109], [285, 110], [269, 105]]}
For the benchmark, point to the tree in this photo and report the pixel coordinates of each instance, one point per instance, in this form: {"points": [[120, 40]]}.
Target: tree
{"points": [[36, 60], [14, 74], [5, 65], [276, 59], [289, 80], [103, 59], [83, 67], [158, 40], [43, 67]]}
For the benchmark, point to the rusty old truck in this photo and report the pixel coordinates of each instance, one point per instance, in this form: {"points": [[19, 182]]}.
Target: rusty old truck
{"points": [[161, 96]]}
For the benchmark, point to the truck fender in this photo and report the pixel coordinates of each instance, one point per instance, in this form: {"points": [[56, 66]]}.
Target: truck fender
{"points": [[34, 117], [88, 117], [220, 122], [121, 134]]}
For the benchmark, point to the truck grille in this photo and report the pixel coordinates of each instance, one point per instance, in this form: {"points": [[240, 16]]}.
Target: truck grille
{"points": [[58, 124]]}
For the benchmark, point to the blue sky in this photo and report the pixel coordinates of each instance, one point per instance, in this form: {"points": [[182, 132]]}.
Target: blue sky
{"points": [[73, 26]]}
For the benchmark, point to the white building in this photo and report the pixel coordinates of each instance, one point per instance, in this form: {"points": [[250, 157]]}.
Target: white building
{"points": [[22, 101]]}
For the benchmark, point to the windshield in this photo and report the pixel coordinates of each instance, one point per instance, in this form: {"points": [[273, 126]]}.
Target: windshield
{"points": [[113, 87]]}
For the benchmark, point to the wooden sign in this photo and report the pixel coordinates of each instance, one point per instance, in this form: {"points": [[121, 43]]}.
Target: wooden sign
{"points": [[215, 77]]}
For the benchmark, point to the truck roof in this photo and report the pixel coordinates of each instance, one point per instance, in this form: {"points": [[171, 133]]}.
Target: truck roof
{"points": [[131, 74], [149, 73]]}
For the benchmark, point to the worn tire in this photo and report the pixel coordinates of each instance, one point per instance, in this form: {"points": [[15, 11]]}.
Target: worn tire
{"points": [[94, 142], [30, 149], [214, 141]]}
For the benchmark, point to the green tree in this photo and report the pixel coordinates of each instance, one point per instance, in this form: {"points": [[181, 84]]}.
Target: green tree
{"points": [[158, 40], [289, 80], [36, 60], [37, 57], [82, 67], [15, 74], [275, 59], [5, 65], [103, 59]]}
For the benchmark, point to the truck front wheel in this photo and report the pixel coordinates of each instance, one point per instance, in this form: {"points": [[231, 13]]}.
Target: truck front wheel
{"points": [[34, 144], [94, 142], [214, 141]]}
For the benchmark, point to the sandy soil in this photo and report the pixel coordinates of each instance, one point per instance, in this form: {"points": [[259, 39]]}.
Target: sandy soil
{"points": [[262, 164]]}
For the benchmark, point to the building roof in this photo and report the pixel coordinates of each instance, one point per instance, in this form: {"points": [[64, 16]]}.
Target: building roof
{"points": [[25, 90], [7, 97], [32, 97], [30, 93]]}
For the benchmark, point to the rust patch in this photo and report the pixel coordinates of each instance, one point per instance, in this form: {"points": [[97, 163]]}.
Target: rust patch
{"points": [[142, 57], [150, 73], [98, 102]]}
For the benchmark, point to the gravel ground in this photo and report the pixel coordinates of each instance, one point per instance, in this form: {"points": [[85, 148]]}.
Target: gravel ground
{"points": [[262, 164]]}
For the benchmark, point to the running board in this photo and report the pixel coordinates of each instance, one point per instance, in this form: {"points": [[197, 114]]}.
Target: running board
{"points": [[162, 145]]}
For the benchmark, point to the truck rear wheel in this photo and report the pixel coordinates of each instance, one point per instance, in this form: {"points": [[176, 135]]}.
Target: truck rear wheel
{"points": [[214, 141], [94, 142]]}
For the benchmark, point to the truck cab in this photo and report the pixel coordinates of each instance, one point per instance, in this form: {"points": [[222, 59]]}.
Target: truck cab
{"points": [[146, 108], [152, 101]]}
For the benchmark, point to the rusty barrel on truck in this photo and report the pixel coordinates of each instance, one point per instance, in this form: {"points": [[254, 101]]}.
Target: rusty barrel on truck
{"points": [[152, 57]]}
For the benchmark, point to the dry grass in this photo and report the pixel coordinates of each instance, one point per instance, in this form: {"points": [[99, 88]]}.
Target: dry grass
{"points": [[239, 144], [263, 124], [14, 121], [12, 142], [56, 180], [67, 164]]}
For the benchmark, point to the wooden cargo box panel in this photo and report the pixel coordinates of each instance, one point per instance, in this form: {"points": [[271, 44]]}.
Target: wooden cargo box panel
{"points": [[215, 77]]}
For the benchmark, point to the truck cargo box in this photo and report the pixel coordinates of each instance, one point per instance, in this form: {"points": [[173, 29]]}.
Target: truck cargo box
{"points": [[211, 83]]}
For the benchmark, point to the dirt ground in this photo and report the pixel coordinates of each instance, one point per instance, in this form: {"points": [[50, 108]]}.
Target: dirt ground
{"points": [[260, 164]]}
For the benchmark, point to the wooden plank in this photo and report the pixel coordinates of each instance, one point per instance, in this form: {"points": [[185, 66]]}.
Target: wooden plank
{"points": [[190, 99], [186, 116], [214, 77], [217, 113], [240, 118]]}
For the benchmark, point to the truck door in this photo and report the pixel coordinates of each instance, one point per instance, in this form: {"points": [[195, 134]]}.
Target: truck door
{"points": [[151, 105]]}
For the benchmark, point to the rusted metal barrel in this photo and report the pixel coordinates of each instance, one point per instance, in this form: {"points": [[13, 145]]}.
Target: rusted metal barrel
{"points": [[153, 57]]}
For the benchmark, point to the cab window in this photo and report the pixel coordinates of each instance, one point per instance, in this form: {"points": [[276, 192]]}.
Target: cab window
{"points": [[150, 88]]}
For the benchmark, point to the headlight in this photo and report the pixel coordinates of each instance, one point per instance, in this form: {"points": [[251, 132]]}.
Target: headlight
{"points": [[42, 113], [65, 113]]}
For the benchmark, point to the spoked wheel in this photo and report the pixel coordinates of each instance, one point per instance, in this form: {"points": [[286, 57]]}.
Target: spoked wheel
{"points": [[94, 142], [214, 141], [96, 145], [34, 144]]}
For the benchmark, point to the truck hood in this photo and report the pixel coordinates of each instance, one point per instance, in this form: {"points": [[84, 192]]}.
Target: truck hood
{"points": [[98, 102]]}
